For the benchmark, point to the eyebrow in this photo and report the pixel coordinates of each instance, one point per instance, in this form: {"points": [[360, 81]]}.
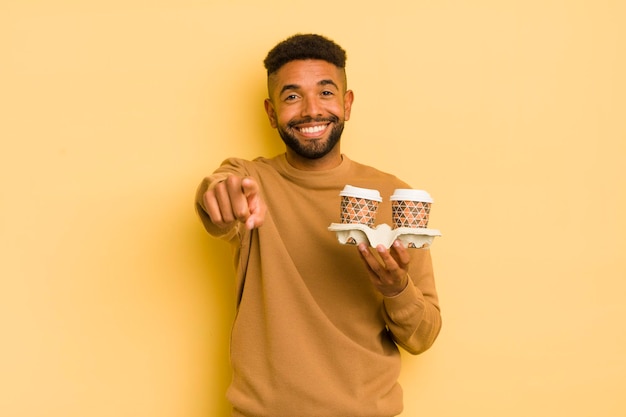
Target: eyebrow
{"points": [[296, 86]]}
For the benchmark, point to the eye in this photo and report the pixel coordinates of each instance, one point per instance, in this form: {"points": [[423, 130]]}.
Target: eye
{"points": [[291, 97], [327, 93]]}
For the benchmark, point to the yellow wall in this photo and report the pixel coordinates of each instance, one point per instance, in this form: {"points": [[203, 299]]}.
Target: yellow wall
{"points": [[114, 302]]}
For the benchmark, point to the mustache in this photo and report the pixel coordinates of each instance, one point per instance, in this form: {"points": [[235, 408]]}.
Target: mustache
{"points": [[329, 119]]}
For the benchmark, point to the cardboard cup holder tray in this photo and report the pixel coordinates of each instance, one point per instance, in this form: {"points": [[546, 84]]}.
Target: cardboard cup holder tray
{"points": [[383, 234]]}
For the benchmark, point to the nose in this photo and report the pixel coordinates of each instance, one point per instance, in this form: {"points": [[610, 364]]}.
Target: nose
{"points": [[311, 107]]}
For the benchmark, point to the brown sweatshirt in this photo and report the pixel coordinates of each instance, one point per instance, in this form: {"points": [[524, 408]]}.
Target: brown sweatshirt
{"points": [[312, 337]]}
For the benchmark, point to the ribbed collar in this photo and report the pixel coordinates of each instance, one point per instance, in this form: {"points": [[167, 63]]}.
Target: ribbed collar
{"points": [[324, 179]]}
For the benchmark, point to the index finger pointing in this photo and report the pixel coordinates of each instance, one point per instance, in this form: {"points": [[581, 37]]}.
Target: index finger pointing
{"points": [[249, 186]]}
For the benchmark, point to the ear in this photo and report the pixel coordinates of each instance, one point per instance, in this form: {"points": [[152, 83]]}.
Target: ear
{"points": [[348, 98], [271, 113]]}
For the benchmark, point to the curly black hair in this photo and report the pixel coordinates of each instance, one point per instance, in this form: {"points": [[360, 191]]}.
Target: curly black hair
{"points": [[304, 46]]}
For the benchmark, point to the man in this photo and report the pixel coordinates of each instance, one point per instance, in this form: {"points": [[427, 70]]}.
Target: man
{"points": [[318, 323]]}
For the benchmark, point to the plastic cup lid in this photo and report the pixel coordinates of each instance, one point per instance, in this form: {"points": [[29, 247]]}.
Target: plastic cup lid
{"points": [[407, 194], [350, 191]]}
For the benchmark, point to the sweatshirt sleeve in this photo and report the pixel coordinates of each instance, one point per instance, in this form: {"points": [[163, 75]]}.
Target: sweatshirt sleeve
{"points": [[413, 316], [232, 166]]}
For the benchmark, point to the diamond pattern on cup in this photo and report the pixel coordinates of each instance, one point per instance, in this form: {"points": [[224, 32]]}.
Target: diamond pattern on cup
{"points": [[358, 210], [410, 213]]}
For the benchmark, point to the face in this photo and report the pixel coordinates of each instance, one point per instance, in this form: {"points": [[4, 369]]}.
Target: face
{"points": [[308, 105]]}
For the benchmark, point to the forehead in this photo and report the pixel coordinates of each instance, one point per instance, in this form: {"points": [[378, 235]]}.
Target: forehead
{"points": [[306, 73]]}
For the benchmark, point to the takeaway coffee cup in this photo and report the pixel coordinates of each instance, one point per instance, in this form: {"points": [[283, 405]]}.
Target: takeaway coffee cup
{"points": [[359, 205], [410, 208]]}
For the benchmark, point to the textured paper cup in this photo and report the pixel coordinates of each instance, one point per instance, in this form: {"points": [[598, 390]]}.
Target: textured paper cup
{"points": [[410, 208], [359, 205]]}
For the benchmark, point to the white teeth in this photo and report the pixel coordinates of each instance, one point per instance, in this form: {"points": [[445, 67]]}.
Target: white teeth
{"points": [[313, 129]]}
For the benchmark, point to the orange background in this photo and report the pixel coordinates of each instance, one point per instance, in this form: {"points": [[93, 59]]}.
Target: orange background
{"points": [[114, 302]]}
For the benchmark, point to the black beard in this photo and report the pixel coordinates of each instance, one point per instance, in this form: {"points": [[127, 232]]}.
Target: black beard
{"points": [[315, 149]]}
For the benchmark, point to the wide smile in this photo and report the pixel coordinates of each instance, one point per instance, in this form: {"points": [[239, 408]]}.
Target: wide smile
{"points": [[313, 131]]}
